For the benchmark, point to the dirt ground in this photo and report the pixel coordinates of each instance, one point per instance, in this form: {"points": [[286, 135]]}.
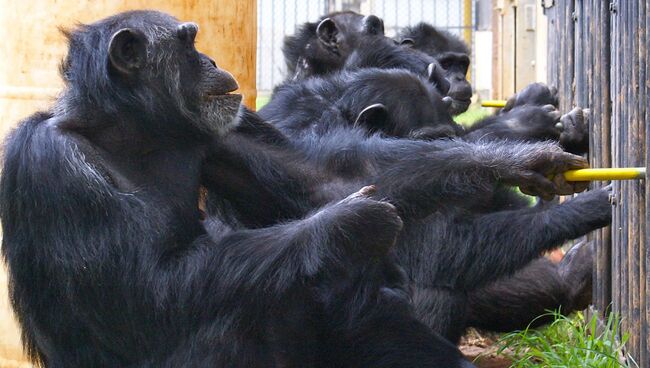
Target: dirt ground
{"points": [[480, 347]]}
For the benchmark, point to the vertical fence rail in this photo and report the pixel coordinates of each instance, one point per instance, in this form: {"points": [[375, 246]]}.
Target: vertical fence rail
{"points": [[598, 58]]}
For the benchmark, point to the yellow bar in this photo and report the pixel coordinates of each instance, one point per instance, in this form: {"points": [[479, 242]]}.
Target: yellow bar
{"points": [[493, 103], [623, 173]]}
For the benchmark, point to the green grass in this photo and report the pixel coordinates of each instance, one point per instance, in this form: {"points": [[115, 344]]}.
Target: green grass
{"points": [[260, 101], [472, 115], [568, 342]]}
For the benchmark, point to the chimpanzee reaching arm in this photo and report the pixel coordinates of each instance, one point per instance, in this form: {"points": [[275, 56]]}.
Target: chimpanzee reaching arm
{"points": [[531, 115]]}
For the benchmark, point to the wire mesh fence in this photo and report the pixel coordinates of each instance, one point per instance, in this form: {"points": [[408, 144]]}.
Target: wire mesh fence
{"points": [[279, 18]]}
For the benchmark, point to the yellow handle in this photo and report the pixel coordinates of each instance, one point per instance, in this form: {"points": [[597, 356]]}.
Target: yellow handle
{"points": [[623, 173], [493, 103]]}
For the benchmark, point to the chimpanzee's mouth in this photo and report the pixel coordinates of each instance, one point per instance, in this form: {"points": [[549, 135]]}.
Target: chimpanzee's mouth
{"points": [[223, 96], [459, 106]]}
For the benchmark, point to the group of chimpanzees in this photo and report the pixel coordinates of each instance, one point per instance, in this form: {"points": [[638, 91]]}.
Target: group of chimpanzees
{"points": [[349, 223]]}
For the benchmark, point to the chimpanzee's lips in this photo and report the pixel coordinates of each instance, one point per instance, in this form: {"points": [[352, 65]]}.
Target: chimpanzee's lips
{"points": [[224, 96], [459, 106]]}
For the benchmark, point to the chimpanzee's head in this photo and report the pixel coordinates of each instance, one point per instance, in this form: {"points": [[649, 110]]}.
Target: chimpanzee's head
{"points": [[450, 52], [399, 103], [142, 66], [322, 47]]}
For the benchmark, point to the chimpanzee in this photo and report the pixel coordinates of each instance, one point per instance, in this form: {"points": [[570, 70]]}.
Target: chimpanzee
{"points": [[375, 99], [322, 47], [452, 54], [110, 263], [348, 40], [316, 116], [368, 97]]}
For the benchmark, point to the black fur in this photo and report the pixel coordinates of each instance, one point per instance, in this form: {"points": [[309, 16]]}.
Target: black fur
{"points": [[110, 264], [307, 54], [457, 245], [431, 40], [339, 97], [345, 95], [450, 52]]}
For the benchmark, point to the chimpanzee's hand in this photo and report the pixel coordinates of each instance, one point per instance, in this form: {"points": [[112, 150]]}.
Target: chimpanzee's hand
{"points": [[575, 131], [540, 172], [535, 123], [368, 225], [537, 94]]}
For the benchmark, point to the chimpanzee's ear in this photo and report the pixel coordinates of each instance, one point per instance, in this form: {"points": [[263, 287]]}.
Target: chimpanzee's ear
{"points": [[435, 75], [373, 116], [373, 25], [127, 50], [327, 32], [407, 42]]}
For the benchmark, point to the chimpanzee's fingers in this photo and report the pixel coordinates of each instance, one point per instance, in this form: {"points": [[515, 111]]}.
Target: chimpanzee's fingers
{"points": [[536, 184], [565, 187], [366, 191], [569, 161]]}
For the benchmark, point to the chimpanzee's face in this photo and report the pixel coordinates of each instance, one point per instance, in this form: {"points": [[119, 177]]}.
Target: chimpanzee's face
{"points": [[456, 65], [207, 86], [160, 63]]}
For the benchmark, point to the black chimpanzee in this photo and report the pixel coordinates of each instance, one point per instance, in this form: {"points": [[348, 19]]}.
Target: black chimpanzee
{"points": [[110, 264], [348, 40], [322, 47], [374, 98], [318, 112], [452, 54]]}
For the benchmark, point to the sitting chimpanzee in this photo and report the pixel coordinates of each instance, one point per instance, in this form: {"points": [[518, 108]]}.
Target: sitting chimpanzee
{"points": [[450, 52], [319, 112], [110, 263]]}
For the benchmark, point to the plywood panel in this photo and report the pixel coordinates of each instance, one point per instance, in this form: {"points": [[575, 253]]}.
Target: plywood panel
{"points": [[32, 48]]}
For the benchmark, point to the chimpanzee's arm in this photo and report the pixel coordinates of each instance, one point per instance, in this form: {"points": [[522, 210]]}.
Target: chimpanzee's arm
{"points": [[416, 176], [522, 124], [263, 264], [502, 242], [260, 183], [128, 243], [418, 181]]}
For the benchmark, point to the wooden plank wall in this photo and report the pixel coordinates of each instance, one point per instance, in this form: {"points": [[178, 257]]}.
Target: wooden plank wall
{"points": [[598, 58], [32, 48]]}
